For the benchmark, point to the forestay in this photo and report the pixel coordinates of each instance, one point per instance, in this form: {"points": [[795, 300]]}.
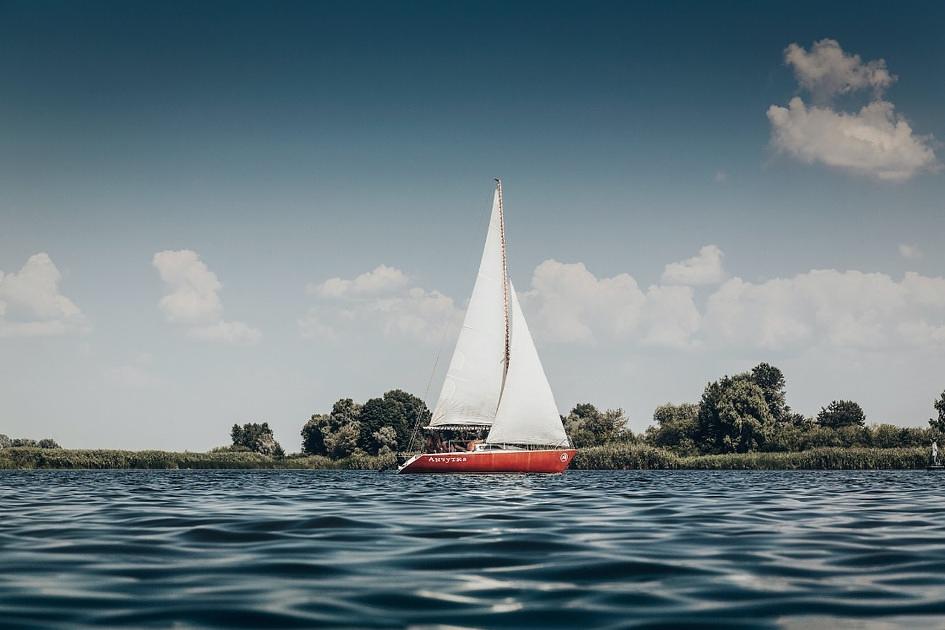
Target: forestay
{"points": [[527, 413], [473, 384]]}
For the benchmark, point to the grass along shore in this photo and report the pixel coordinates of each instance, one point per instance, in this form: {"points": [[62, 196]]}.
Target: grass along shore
{"points": [[612, 457], [75, 459]]}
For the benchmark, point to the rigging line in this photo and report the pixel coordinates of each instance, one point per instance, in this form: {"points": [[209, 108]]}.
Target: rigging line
{"points": [[426, 392]]}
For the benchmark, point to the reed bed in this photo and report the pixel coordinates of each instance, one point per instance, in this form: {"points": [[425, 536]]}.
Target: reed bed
{"points": [[612, 457], [352, 462], [625, 457], [60, 458], [106, 458], [640, 457]]}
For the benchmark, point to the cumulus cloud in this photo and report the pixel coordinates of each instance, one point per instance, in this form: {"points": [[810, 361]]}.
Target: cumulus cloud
{"points": [[848, 309], [193, 299], [194, 289], [704, 268], [874, 141], [382, 279], [909, 251], [827, 70], [568, 303], [31, 304], [837, 309], [381, 300]]}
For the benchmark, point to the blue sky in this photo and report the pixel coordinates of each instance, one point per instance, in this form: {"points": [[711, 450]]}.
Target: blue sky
{"points": [[270, 149]]}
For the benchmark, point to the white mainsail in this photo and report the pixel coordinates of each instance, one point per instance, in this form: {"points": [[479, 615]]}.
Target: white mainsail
{"points": [[473, 384], [527, 412]]}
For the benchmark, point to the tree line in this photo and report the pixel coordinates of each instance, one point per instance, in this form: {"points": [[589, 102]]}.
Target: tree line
{"points": [[8, 442], [742, 413], [381, 425], [748, 412]]}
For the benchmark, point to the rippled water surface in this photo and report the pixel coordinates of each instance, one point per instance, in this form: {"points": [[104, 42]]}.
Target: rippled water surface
{"points": [[366, 549]]}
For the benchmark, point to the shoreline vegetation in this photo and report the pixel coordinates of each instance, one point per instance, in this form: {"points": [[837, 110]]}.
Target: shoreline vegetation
{"points": [[610, 457], [741, 422]]}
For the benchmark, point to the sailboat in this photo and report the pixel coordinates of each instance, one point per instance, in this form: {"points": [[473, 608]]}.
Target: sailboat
{"points": [[495, 382]]}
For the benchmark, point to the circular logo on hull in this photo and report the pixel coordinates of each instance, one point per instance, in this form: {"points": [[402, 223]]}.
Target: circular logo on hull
{"points": [[564, 457]]}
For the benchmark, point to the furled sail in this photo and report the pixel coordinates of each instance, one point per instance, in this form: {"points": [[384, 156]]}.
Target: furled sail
{"points": [[473, 384], [527, 412]]}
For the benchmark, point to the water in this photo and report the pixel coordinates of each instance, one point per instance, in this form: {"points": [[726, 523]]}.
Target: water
{"points": [[365, 549]]}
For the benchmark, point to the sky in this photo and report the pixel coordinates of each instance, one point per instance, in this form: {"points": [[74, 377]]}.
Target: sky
{"points": [[229, 212]]}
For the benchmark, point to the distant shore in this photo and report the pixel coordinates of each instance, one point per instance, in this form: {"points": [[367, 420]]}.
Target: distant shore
{"points": [[613, 457]]}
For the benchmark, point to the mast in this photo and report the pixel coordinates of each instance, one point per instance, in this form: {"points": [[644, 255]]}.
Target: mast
{"points": [[505, 278]]}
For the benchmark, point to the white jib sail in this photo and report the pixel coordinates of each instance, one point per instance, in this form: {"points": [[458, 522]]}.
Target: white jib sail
{"points": [[473, 383], [527, 413]]}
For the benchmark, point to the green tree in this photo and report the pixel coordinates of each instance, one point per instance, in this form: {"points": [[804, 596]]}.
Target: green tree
{"points": [[885, 436], [313, 438], [386, 437], [317, 433], [256, 437], [841, 413], [396, 409], [383, 423], [588, 426], [345, 410], [744, 416], [343, 441], [48, 443], [676, 427], [733, 415], [771, 381], [5, 441], [939, 423]]}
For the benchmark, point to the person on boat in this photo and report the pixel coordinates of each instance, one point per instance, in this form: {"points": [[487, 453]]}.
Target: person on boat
{"points": [[934, 453], [472, 444]]}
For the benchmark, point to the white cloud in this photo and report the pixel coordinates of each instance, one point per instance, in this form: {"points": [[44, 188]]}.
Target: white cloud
{"points": [[827, 70], [704, 268], [909, 251], [382, 279], [379, 300], [31, 304], [419, 313], [848, 309], [194, 289], [829, 308], [568, 303], [193, 299], [875, 141]]}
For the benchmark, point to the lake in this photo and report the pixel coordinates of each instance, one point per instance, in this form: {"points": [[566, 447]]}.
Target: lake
{"points": [[584, 549]]}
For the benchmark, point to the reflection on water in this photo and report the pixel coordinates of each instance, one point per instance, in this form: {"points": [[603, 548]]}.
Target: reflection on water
{"points": [[365, 549]]}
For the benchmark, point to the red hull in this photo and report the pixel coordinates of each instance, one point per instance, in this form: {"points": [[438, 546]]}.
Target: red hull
{"points": [[551, 461]]}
